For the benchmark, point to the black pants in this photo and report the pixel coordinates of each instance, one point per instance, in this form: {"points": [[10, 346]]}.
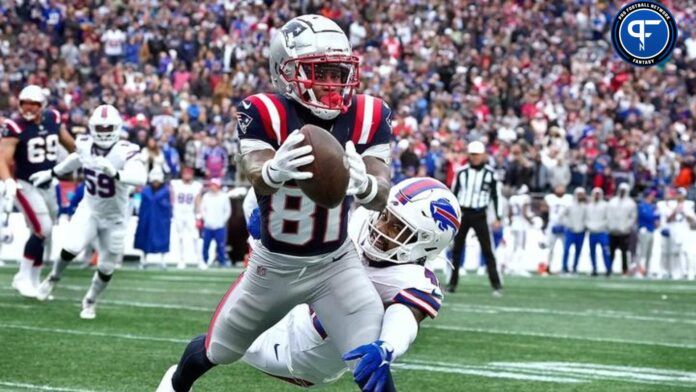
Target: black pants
{"points": [[477, 221], [620, 241]]}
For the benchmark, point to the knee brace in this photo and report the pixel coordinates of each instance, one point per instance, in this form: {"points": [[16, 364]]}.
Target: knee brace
{"points": [[34, 249], [67, 256]]}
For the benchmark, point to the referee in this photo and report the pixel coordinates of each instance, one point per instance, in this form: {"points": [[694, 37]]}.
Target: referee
{"points": [[475, 186]]}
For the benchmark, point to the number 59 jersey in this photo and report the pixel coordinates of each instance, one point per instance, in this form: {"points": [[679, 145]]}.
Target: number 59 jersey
{"points": [[105, 196], [37, 147]]}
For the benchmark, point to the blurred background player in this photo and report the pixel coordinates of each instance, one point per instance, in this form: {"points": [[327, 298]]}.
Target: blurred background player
{"points": [[520, 215], [109, 167], [152, 235], [30, 144], [596, 222], [574, 220], [186, 197], [622, 215], [648, 220], [556, 203], [215, 211], [677, 215]]}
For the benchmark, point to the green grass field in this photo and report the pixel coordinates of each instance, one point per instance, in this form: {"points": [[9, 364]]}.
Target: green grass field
{"points": [[546, 334]]}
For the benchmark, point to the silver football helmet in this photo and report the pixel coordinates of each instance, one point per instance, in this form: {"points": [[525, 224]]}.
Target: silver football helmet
{"points": [[312, 63]]}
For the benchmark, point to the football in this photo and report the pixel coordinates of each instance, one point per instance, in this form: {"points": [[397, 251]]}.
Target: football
{"points": [[328, 186]]}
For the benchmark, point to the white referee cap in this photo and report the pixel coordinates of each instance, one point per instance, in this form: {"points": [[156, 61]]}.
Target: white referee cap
{"points": [[476, 147]]}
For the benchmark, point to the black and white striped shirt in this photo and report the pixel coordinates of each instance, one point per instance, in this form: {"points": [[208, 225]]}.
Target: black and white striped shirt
{"points": [[475, 188]]}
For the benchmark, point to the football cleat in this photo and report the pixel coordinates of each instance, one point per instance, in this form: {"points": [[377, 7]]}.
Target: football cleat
{"points": [[166, 384], [89, 310], [45, 289], [24, 287]]}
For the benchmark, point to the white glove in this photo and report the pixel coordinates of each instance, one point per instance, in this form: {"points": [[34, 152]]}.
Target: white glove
{"points": [[283, 167], [103, 164], [41, 177], [359, 181]]}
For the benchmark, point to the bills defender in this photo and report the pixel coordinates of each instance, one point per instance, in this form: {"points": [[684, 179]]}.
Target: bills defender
{"points": [[304, 255], [421, 219], [186, 197], [109, 166], [520, 215], [556, 203], [30, 144]]}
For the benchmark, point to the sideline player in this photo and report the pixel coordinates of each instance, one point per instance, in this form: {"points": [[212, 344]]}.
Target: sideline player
{"points": [[520, 214], [30, 144], [109, 167], [186, 196], [304, 255], [557, 203]]}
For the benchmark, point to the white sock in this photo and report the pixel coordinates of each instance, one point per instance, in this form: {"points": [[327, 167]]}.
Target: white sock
{"points": [[96, 288], [35, 275], [25, 266]]}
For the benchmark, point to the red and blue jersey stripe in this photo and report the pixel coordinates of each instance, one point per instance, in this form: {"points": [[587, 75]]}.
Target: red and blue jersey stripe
{"points": [[426, 302]]}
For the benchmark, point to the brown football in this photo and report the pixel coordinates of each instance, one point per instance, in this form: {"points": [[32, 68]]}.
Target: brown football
{"points": [[328, 186]]}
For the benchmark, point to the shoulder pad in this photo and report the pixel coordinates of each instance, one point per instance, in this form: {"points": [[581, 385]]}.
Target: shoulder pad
{"points": [[264, 117]]}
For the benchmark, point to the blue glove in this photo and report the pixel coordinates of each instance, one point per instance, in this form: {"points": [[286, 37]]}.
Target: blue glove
{"points": [[665, 232], [372, 372], [254, 224]]}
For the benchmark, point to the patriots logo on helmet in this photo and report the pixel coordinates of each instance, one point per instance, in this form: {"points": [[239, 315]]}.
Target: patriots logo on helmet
{"points": [[243, 121], [444, 214], [292, 30]]}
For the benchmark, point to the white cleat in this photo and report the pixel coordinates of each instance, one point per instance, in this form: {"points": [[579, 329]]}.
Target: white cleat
{"points": [[89, 310], [166, 384], [24, 287], [45, 289]]}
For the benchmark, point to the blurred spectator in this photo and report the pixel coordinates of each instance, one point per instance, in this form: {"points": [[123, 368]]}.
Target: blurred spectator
{"points": [[215, 210], [154, 218], [622, 216], [215, 159], [575, 220], [597, 224], [648, 219], [153, 157]]}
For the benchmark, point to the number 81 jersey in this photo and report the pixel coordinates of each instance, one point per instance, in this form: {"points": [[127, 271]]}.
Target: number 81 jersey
{"points": [[104, 195], [291, 223], [37, 148]]}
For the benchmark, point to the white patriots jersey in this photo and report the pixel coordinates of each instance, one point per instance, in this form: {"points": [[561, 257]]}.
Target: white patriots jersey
{"points": [[104, 195], [557, 207], [517, 210], [185, 197]]}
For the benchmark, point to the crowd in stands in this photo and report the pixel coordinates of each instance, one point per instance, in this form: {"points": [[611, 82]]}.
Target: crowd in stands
{"points": [[538, 81]]}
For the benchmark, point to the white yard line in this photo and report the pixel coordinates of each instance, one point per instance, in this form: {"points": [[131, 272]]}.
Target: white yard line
{"points": [[586, 313], [35, 387], [558, 336], [92, 333], [483, 372], [642, 286]]}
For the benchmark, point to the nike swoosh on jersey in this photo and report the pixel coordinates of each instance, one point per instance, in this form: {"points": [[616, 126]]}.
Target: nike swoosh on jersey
{"points": [[275, 348], [246, 105], [339, 257]]}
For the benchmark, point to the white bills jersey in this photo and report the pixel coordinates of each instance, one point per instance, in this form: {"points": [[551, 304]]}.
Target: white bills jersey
{"points": [[517, 206], [184, 195], [105, 195], [297, 349], [557, 207]]}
